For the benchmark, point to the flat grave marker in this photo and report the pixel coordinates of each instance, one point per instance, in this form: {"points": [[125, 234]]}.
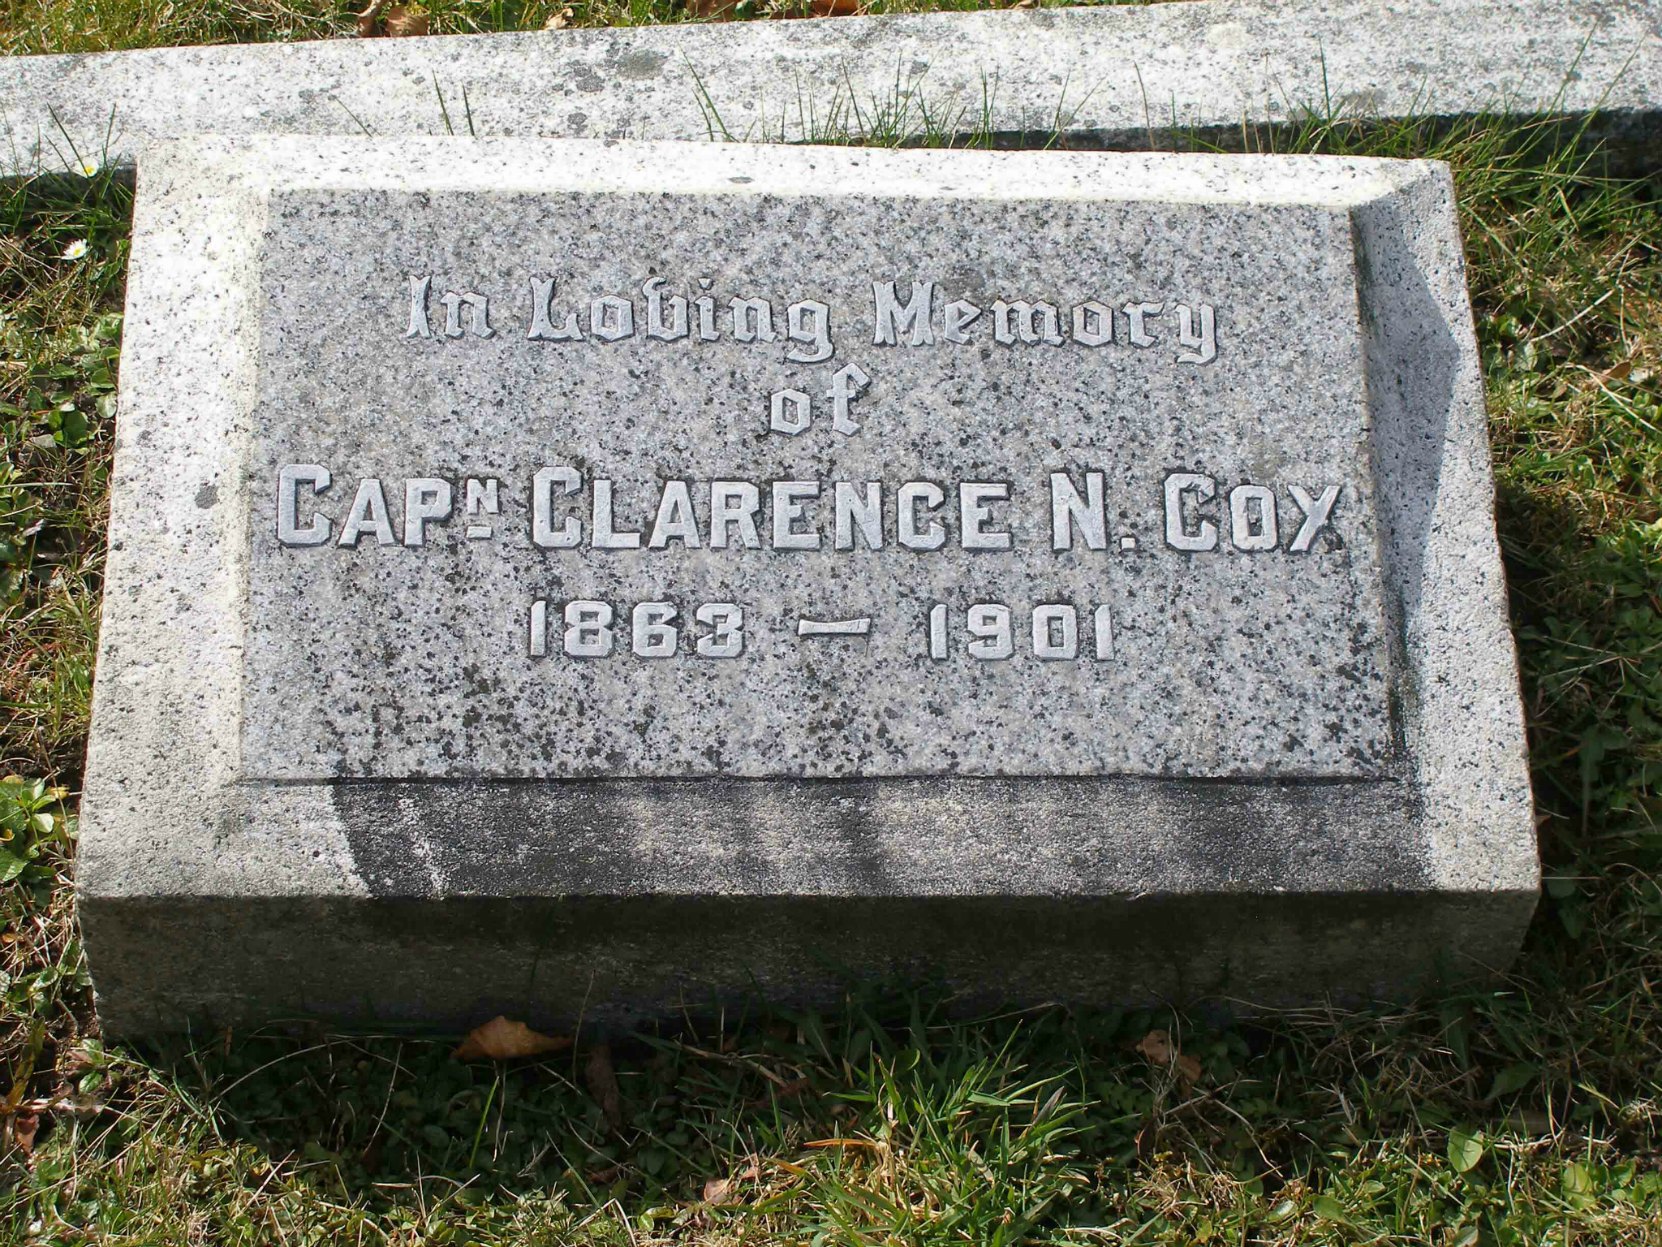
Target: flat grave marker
{"points": [[573, 576]]}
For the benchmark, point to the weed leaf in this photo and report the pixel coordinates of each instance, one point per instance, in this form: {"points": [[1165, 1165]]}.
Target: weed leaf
{"points": [[1464, 1150]]}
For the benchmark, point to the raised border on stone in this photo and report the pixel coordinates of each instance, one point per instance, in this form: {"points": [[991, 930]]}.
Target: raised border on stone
{"points": [[207, 897], [1115, 77]]}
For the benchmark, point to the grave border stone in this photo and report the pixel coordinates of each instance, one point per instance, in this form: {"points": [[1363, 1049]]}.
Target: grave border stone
{"points": [[1114, 77]]}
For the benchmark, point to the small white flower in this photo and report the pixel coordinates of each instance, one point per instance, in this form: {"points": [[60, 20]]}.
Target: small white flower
{"points": [[89, 168], [75, 250]]}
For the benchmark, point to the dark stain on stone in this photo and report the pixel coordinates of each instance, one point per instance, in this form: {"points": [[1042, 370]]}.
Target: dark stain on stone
{"points": [[640, 64], [596, 837], [207, 496]]}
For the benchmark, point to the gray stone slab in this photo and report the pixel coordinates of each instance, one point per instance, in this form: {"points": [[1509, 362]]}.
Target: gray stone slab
{"points": [[1110, 77], [557, 576]]}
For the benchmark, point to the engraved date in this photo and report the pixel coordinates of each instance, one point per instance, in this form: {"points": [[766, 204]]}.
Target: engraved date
{"points": [[591, 629], [993, 633]]}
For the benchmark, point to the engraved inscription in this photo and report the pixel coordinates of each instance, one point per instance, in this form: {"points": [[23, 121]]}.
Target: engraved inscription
{"points": [[1250, 517], [920, 318], [653, 632], [622, 486], [569, 510]]}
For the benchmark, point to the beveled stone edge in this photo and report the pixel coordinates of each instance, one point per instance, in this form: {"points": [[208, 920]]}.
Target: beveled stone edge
{"points": [[1460, 703]]}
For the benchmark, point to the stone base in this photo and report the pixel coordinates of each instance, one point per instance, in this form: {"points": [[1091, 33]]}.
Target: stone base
{"points": [[614, 962]]}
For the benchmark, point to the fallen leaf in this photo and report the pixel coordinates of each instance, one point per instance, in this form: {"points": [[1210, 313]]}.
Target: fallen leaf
{"points": [[1620, 372], [369, 20], [402, 21], [715, 9], [602, 1083], [24, 1125], [833, 8], [559, 21], [83, 1107], [1157, 1048], [502, 1039], [76, 1061], [726, 1190]]}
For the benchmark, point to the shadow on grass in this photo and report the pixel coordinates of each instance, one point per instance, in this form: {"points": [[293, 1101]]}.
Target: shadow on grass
{"points": [[1566, 1056]]}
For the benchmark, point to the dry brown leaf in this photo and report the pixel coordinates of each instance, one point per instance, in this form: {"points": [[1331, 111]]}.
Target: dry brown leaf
{"points": [[560, 20], [726, 1190], [833, 8], [24, 1126], [76, 1061], [369, 21], [1157, 1048], [403, 21], [502, 1039], [715, 9], [1618, 373], [602, 1083]]}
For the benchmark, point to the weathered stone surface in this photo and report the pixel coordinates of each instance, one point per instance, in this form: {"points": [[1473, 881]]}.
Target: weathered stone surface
{"points": [[486, 627], [1118, 77]]}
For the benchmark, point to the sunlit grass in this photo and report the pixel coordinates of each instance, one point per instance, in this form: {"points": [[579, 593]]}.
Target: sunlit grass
{"points": [[33, 26]]}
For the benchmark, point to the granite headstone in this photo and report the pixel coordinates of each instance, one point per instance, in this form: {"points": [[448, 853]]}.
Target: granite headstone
{"points": [[558, 577]]}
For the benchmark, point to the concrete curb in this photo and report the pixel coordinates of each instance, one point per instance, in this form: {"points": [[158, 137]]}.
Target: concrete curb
{"points": [[1103, 77]]}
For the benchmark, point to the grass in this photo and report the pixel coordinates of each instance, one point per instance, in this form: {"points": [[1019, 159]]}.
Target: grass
{"points": [[1528, 1115], [38, 26]]}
